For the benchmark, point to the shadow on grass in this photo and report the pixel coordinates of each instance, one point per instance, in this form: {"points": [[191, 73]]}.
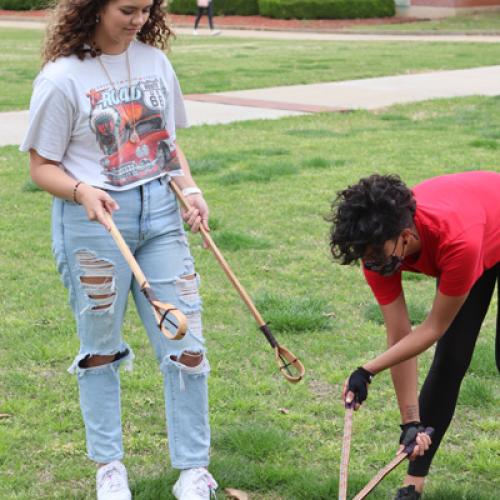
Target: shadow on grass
{"points": [[213, 223], [490, 133], [417, 313], [286, 314], [452, 493], [154, 488], [476, 392], [218, 161], [259, 173], [485, 144], [253, 442], [267, 152], [254, 477], [234, 242], [415, 277], [315, 133], [320, 163], [278, 480], [30, 187], [391, 117], [483, 361], [285, 481], [206, 165]]}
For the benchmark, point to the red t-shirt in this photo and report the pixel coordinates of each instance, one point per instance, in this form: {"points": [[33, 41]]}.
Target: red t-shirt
{"points": [[458, 222]]}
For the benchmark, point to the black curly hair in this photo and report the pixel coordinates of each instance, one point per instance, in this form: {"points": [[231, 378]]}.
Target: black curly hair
{"points": [[367, 214]]}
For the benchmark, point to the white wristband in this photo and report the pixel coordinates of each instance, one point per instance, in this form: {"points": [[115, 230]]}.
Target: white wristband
{"points": [[191, 190]]}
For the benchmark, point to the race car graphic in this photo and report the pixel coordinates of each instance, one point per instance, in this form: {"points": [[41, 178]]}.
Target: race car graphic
{"points": [[130, 129]]}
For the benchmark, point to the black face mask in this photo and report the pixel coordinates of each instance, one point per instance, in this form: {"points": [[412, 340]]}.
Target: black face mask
{"points": [[390, 266]]}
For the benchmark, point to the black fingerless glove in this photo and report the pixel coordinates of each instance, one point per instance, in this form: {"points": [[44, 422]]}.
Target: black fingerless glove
{"points": [[358, 384], [409, 432]]}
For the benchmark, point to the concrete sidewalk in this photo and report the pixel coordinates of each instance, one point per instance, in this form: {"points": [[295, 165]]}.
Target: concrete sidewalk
{"points": [[14, 123], [370, 93], [346, 37], [277, 102]]}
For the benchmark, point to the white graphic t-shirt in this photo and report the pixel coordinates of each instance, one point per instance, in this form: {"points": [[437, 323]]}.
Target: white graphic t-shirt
{"points": [[110, 134]]}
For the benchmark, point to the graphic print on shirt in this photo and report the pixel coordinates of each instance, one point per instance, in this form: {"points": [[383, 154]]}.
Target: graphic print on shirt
{"points": [[130, 129]]}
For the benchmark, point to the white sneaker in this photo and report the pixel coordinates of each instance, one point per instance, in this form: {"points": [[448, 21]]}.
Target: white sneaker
{"points": [[215, 32], [195, 32], [195, 484], [112, 483]]}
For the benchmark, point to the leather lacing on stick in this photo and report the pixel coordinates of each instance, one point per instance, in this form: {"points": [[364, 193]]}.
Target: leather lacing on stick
{"points": [[346, 451], [382, 473], [164, 313], [390, 467]]}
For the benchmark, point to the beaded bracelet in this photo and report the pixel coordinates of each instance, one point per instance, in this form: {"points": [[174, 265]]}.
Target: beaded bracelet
{"points": [[74, 191]]}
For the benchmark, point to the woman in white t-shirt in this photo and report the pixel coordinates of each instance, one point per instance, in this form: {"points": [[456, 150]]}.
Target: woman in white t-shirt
{"points": [[102, 138]]}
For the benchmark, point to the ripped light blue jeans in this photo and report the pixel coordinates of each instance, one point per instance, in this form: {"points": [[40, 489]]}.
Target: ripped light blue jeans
{"points": [[99, 281]]}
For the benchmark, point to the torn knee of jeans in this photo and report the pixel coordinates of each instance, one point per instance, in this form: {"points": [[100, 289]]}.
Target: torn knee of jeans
{"points": [[95, 363], [97, 280], [188, 358], [94, 360], [187, 361], [182, 370]]}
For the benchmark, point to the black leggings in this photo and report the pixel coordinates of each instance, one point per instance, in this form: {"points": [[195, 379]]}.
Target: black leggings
{"points": [[453, 355], [209, 12]]}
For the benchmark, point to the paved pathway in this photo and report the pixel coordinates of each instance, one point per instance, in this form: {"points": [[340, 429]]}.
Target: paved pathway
{"points": [[272, 103], [347, 37], [369, 93]]}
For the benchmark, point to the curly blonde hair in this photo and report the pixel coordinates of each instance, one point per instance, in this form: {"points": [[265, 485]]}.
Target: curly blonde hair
{"points": [[73, 23]]}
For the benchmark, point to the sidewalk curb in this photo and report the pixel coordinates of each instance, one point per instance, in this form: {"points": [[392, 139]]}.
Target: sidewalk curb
{"points": [[341, 31], [24, 19]]}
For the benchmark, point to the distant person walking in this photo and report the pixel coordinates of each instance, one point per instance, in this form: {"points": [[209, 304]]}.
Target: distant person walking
{"points": [[205, 6]]}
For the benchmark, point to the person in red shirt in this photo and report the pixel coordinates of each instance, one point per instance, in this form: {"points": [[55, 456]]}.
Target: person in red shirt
{"points": [[447, 227]]}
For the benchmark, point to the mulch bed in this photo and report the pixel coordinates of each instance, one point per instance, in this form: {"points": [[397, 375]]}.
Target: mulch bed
{"points": [[266, 23], [27, 14]]}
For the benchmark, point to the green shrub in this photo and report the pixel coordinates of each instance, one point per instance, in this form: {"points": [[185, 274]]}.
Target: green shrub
{"points": [[221, 7], [326, 9], [24, 4]]}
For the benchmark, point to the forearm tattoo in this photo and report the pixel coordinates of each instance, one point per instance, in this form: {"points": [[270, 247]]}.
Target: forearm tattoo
{"points": [[411, 413]]}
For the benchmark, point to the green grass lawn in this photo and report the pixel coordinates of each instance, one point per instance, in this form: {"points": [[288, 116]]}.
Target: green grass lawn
{"points": [[479, 23], [219, 64], [269, 184]]}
